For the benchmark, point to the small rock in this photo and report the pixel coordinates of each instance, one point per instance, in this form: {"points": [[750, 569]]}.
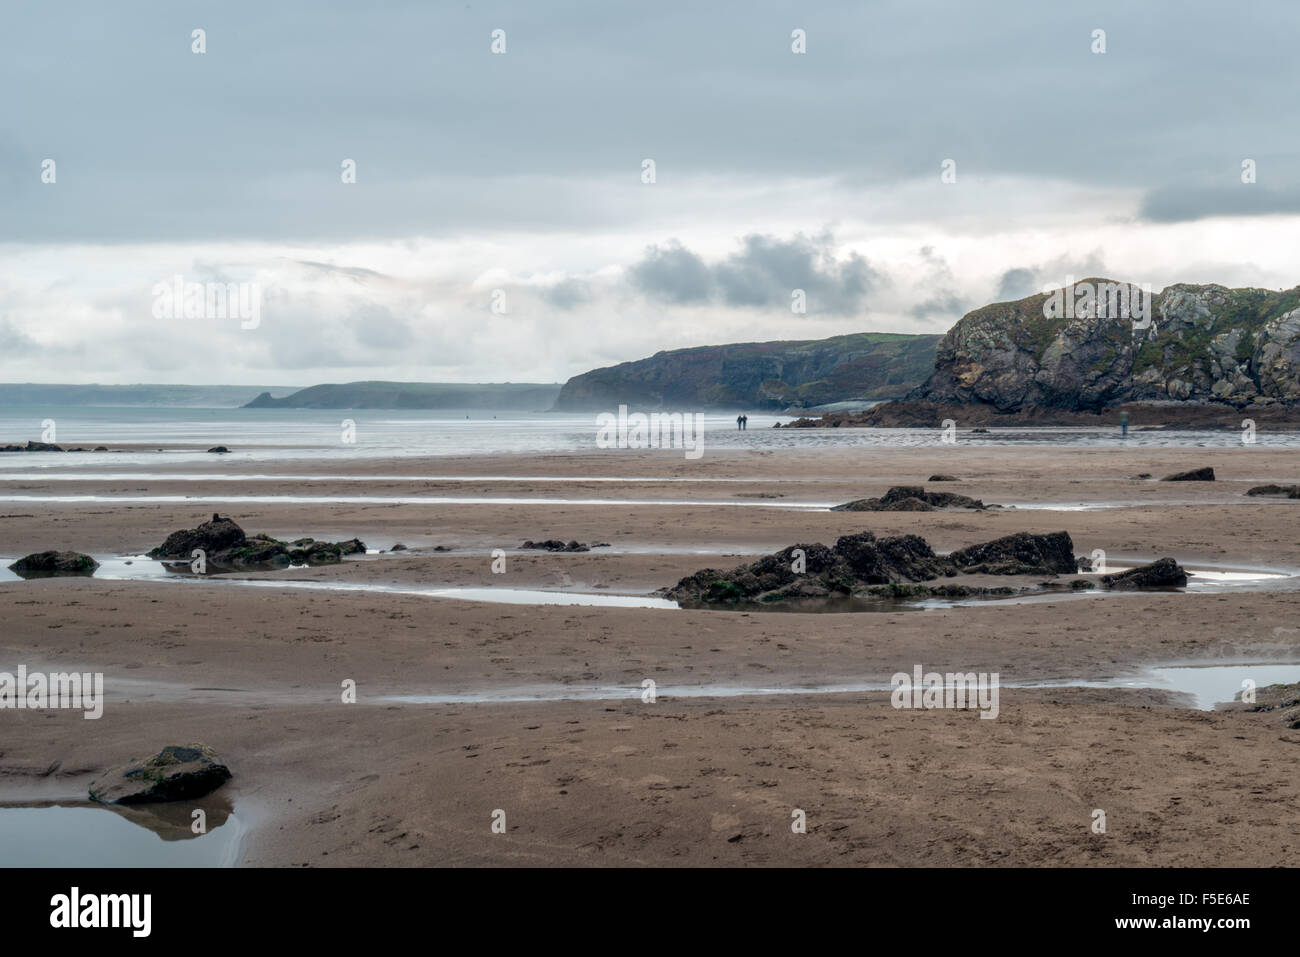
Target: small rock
{"points": [[1195, 475], [219, 450], [943, 478], [175, 773], [1163, 573], [55, 563]]}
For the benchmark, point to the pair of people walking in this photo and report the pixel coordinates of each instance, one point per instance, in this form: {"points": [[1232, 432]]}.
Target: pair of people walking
{"points": [[742, 422]]}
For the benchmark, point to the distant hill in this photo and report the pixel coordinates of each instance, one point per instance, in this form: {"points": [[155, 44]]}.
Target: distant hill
{"points": [[176, 396], [760, 375], [519, 396]]}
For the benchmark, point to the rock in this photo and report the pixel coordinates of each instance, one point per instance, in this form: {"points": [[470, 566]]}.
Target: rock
{"points": [[1288, 491], [1163, 573], [1195, 475], [909, 498], [399, 547], [101, 448], [943, 478], [219, 450], [212, 536], [1019, 554], [227, 548], [32, 447], [324, 553], [863, 564], [176, 773], [555, 545], [54, 563], [355, 546], [1143, 475]]}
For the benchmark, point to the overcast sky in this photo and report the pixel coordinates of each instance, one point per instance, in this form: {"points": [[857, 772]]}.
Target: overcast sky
{"points": [[522, 172]]}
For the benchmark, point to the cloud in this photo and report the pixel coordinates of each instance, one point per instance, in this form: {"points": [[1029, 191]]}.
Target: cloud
{"points": [[1024, 281], [672, 273], [763, 273], [1169, 204]]}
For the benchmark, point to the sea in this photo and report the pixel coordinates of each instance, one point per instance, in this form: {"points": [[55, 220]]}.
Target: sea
{"points": [[264, 434]]}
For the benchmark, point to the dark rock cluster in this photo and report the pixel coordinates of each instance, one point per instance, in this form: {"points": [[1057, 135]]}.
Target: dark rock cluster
{"points": [[863, 564], [225, 546], [911, 498]]}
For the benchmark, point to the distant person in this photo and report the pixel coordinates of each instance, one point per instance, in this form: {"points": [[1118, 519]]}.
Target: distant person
{"points": [[744, 422], [740, 422], [1123, 425]]}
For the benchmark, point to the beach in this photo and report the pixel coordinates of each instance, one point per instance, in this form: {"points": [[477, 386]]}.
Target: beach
{"points": [[466, 707]]}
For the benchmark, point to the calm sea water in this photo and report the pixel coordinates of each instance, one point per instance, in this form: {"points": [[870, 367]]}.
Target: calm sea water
{"points": [[261, 434]]}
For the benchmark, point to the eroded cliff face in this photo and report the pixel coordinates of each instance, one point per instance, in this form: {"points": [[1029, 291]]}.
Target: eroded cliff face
{"points": [[759, 375], [1072, 350]]}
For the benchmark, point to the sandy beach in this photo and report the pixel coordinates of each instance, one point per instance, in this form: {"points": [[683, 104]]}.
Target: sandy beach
{"points": [[739, 735]]}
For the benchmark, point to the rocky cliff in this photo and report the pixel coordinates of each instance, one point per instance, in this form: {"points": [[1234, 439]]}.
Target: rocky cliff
{"points": [[1099, 343], [759, 375]]}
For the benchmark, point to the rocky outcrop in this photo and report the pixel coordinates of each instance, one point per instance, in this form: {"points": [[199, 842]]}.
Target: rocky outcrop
{"points": [[910, 498], [864, 565], [1163, 573], [176, 773], [54, 563], [1205, 474], [759, 375], [1096, 344], [226, 547]]}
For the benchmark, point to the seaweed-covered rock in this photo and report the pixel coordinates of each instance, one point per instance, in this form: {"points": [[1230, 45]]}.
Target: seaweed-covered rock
{"points": [[1162, 573], [1195, 475], [176, 773], [910, 498], [943, 478], [1019, 554], [54, 563]]}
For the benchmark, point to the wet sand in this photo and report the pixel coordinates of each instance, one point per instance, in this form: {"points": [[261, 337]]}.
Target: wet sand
{"points": [[256, 672]]}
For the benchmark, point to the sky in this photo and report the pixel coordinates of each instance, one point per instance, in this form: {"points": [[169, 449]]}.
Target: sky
{"points": [[918, 160]]}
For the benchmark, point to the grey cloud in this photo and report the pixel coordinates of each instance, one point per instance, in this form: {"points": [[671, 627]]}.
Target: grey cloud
{"points": [[1023, 281], [438, 124], [763, 273], [672, 273], [567, 294], [1173, 204]]}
